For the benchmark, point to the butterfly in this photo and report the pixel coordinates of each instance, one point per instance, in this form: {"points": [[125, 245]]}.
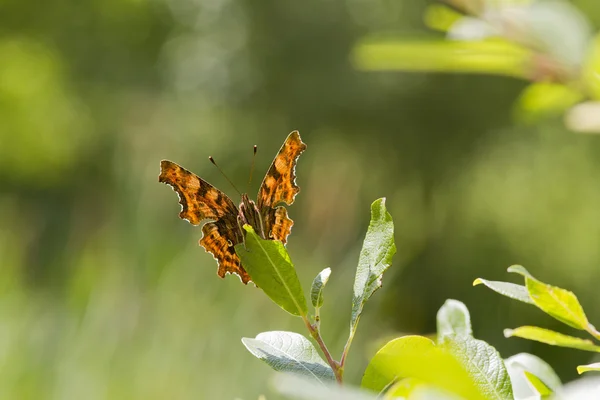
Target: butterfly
{"points": [[202, 201]]}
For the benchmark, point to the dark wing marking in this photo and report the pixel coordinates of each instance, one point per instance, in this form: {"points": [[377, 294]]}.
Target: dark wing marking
{"points": [[219, 239], [199, 199], [279, 184]]}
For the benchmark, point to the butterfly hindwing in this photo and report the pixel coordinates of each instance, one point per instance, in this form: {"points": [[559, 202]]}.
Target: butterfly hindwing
{"points": [[219, 239]]}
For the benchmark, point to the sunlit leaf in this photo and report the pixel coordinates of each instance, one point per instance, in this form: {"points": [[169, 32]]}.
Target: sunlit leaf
{"points": [[550, 337], [517, 292], [589, 367], [539, 386], [270, 267], [316, 291], [440, 17], [520, 363], [484, 365], [493, 57], [419, 358], [375, 258], [289, 352], [541, 99], [453, 319], [556, 302]]}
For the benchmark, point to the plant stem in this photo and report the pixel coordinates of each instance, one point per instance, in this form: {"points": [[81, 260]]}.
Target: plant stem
{"points": [[347, 347], [592, 331], [316, 334]]}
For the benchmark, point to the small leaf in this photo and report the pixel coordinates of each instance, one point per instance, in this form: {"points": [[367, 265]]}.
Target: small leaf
{"points": [[495, 56], [269, 265], [539, 386], [316, 291], [520, 363], [550, 337], [484, 365], [542, 99], [517, 292], [289, 352], [297, 387], [554, 301], [453, 319], [419, 358], [375, 258], [590, 367]]}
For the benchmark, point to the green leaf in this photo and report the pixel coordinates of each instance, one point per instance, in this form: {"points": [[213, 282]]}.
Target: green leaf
{"points": [[590, 367], [550, 337], [554, 301], [419, 358], [484, 365], [521, 363], [453, 319], [542, 99], [495, 57], [298, 387], [440, 17], [539, 386], [316, 291], [269, 265], [289, 352], [517, 292], [375, 258]]}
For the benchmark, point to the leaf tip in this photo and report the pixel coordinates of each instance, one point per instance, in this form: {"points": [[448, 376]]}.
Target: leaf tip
{"points": [[248, 228], [519, 269]]}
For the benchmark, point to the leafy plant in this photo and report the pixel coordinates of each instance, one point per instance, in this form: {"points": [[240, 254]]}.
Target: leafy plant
{"points": [[559, 303], [455, 365], [547, 42]]}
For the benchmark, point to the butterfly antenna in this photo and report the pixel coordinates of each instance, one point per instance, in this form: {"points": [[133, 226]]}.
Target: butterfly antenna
{"points": [[252, 168], [212, 160]]}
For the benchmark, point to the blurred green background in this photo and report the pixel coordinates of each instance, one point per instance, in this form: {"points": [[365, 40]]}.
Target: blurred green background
{"points": [[104, 292]]}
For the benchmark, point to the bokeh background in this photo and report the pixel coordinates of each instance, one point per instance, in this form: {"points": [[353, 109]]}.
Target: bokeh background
{"points": [[104, 292]]}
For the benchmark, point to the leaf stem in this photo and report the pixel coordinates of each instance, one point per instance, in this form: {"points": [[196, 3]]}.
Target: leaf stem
{"points": [[592, 331], [347, 346], [316, 334]]}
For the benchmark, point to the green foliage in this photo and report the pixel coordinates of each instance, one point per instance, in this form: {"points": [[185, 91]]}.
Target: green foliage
{"points": [[556, 302], [289, 352], [530, 374], [457, 365], [271, 268], [316, 291], [590, 367], [559, 303], [549, 43], [375, 258], [453, 319], [551, 337]]}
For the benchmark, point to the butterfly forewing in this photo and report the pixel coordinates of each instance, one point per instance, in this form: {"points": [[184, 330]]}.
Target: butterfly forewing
{"points": [[199, 199]]}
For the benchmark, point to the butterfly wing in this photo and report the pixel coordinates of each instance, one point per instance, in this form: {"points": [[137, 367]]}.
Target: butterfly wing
{"points": [[279, 186], [199, 201], [216, 240]]}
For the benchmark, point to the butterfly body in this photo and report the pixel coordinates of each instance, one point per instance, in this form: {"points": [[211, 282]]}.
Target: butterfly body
{"points": [[201, 201]]}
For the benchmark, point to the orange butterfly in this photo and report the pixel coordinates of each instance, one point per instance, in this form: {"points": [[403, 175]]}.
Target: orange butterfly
{"points": [[200, 200]]}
